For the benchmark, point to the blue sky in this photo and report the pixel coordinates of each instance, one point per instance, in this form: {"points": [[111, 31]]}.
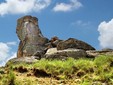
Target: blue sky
{"points": [[87, 20]]}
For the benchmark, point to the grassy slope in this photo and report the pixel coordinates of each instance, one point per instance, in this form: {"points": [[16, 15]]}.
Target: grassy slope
{"points": [[71, 72]]}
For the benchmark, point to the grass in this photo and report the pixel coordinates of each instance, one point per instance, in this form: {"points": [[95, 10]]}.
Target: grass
{"points": [[8, 79], [80, 72]]}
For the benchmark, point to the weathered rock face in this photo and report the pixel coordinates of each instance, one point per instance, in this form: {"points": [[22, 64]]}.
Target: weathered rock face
{"points": [[33, 43], [31, 39], [74, 43], [53, 53]]}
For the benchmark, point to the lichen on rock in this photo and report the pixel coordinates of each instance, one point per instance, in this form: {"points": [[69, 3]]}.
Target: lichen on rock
{"points": [[33, 43], [31, 39]]}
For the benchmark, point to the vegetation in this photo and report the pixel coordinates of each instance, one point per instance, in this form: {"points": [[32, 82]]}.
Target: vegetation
{"points": [[85, 71]]}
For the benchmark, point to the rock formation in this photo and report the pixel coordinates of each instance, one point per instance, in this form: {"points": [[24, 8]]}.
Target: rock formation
{"points": [[34, 44], [74, 43], [31, 39], [53, 53], [95, 53]]}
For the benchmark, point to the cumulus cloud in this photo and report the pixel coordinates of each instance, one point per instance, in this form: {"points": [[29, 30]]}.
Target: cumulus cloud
{"points": [[64, 7], [106, 34], [13, 55], [5, 52], [22, 6]]}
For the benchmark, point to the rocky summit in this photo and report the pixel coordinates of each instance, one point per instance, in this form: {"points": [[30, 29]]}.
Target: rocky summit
{"points": [[34, 44]]}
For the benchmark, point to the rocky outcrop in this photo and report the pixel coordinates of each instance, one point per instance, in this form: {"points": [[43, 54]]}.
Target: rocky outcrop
{"points": [[95, 53], [74, 43], [27, 60], [53, 53], [32, 42]]}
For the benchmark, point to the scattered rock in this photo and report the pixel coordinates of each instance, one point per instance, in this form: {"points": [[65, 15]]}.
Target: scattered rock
{"points": [[74, 43], [28, 60], [94, 53], [30, 36], [107, 49], [53, 53]]}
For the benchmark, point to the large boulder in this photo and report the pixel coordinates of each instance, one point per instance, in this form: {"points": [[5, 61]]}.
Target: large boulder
{"points": [[32, 42], [53, 53], [74, 43]]}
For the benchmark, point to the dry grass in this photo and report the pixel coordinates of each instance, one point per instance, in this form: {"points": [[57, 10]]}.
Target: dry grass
{"points": [[56, 72]]}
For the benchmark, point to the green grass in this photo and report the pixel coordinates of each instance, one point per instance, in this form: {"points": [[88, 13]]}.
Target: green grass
{"points": [[8, 79], [81, 71]]}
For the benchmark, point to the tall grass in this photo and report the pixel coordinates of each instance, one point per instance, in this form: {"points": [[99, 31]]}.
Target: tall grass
{"points": [[98, 70], [8, 79]]}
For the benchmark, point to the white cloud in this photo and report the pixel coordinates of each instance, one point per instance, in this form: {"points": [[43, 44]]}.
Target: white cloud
{"points": [[106, 34], [13, 55], [5, 52], [81, 23], [11, 43], [22, 6], [64, 7]]}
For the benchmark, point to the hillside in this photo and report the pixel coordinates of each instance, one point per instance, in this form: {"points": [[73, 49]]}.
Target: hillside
{"points": [[43, 61], [84, 71]]}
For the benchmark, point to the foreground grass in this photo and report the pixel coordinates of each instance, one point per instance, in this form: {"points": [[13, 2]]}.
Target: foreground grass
{"points": [[85, 71]]}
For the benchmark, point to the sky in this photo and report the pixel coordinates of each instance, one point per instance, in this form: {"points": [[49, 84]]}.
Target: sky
{"points": [[88, 20]]}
